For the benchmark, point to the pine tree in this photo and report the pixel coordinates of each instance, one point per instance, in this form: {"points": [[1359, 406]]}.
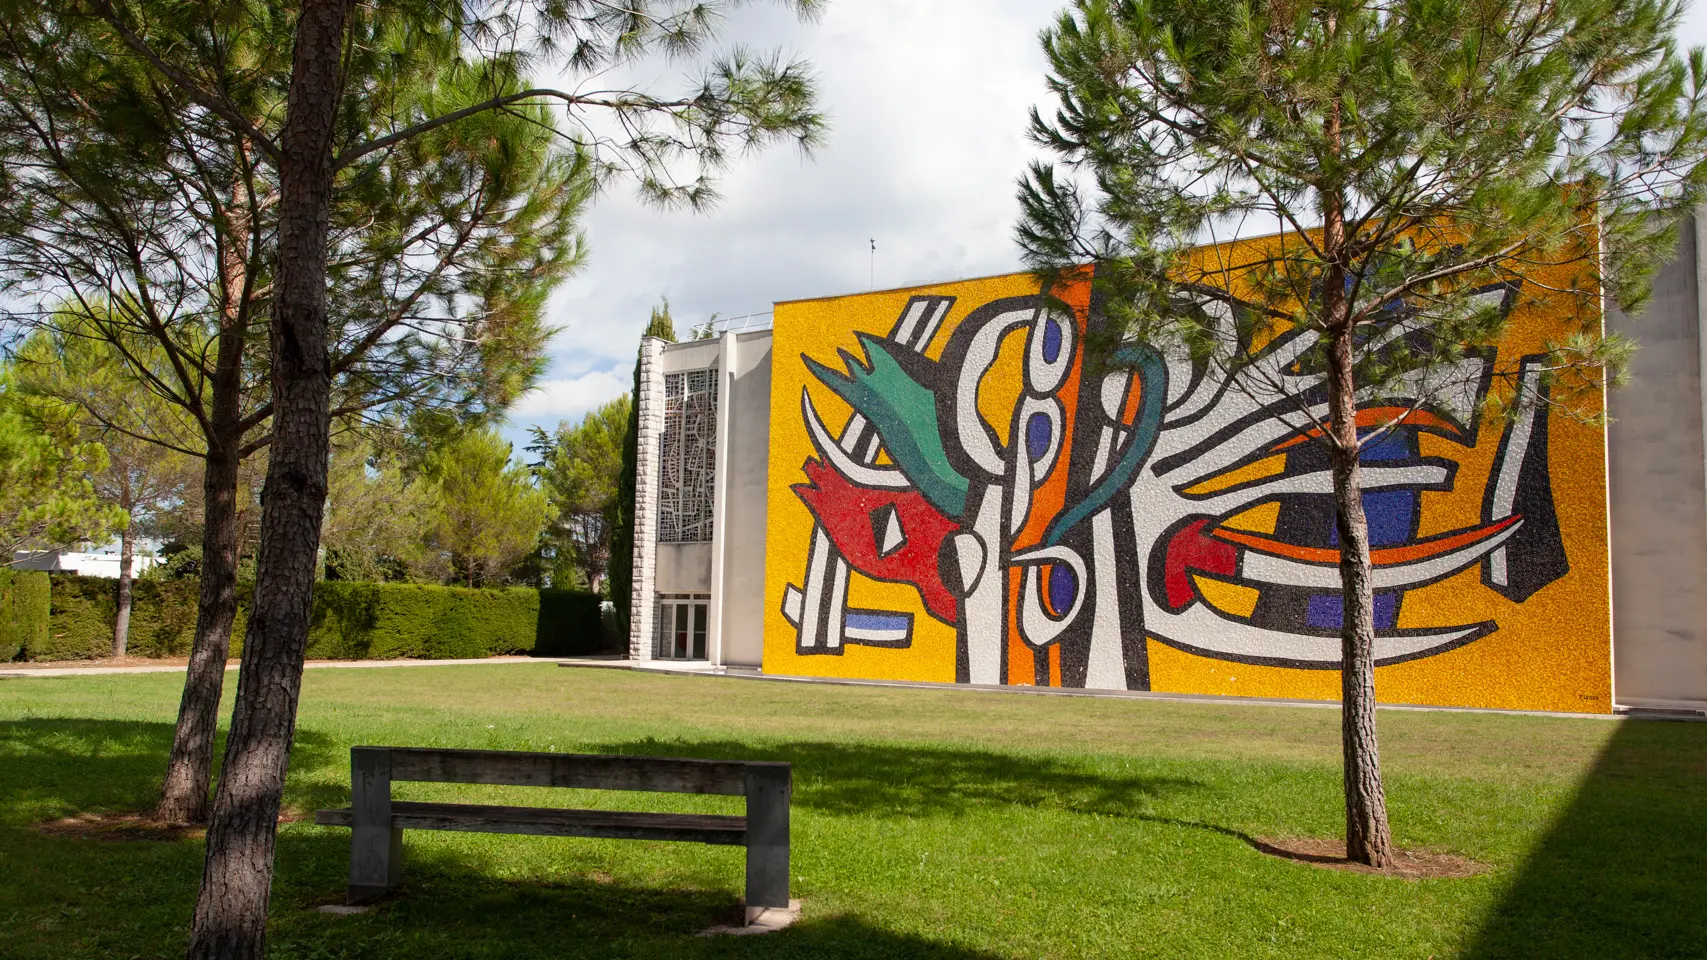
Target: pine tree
{"points": [[62, 378], [671, 144], [376, 506], [659, 323], [1414, 155], [47, 490], [136, 215], [488, 512]]}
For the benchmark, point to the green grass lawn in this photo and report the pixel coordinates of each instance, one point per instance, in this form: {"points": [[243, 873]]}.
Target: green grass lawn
{"points": [[927, 823]]}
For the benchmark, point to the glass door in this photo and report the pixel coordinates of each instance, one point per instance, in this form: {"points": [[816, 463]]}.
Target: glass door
{"points": [[682, 621]]}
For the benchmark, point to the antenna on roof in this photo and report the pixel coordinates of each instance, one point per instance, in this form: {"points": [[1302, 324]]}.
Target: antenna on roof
{"points": [[871, 281]]}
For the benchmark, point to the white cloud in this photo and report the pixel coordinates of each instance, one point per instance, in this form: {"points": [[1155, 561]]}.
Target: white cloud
{"points": [[928, 109], [927, 106], [571, 398]]}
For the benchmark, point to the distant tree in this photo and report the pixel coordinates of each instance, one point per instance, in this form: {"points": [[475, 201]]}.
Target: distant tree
{"points": [[375, 511], [1416, 156], [489, 513], [659, 324], [146, 482], [68, 379], [706, 330], [579, 468], [47, 494]]}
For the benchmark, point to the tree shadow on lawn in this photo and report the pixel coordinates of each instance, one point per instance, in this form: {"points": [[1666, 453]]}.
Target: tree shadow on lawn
{"points": [[1623, 873], [56, 767], [865, 779], [451, 906]]}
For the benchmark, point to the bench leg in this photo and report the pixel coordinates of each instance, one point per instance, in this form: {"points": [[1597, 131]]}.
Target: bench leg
{"points": [[768, 790], [376, 863], [376, 847]]}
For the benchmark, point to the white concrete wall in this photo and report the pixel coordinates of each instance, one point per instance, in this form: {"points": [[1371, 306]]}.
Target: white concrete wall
{"points": [[741, 614], [1658, 480], [683, 568], [82, 564], [693, 355]]}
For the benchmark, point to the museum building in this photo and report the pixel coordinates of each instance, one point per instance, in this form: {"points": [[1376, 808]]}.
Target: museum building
{"points": [[931, 485]]}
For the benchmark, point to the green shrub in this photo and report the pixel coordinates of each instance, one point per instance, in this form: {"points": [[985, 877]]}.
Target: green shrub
{"points": [[383, 621], [162, 618], [351, 621], [82, 622], [570, 624], [24, 611]]}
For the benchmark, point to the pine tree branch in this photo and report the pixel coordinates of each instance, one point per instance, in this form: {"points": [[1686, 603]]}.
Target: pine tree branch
{"points": [[355, 153], [226, 110]]}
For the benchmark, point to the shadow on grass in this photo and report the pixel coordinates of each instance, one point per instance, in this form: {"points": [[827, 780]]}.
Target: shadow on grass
{"points": [[1624, 871], [454, 907], [864, 779], [75, 897], [57, 767]]}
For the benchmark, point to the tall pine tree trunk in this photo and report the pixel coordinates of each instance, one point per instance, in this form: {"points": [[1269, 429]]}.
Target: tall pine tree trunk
{"points": [[184, 792], [127, 555], [231, 907], [1368, 839]]}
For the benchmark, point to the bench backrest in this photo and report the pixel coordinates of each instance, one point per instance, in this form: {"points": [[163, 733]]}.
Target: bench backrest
{"points": [[588, 771]]}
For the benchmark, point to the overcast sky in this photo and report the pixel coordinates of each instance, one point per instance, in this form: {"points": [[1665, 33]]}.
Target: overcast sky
{"points": [[927, 102]]}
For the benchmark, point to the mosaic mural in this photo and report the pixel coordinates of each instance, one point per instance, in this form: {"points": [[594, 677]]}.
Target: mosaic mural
{"points": [[956, 496]]}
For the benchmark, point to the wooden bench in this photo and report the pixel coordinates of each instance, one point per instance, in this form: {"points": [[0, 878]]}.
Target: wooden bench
{"points": [[377, 822]]}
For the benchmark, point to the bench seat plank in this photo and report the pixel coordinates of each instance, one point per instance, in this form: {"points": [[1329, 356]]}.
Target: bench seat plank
{"points": [[556, 822], [588, 771]]}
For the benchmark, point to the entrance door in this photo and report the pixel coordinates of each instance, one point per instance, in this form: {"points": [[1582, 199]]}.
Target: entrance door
{"points": [[682, 620]]}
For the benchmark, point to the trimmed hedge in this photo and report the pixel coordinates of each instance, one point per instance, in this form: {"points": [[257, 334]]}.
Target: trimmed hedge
{"points": [[24, 606], [571, 624], [351, 621], [385, 621], [162, 618]]}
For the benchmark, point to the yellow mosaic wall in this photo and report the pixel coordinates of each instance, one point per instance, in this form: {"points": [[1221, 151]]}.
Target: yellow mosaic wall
{"points": [[953, 498]]}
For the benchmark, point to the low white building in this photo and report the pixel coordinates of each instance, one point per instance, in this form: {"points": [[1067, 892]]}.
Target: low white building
{"points": [[101, 561]]}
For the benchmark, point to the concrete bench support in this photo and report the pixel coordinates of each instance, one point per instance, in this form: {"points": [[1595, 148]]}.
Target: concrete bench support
{"points": [[768, 789], [376, 845]]}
